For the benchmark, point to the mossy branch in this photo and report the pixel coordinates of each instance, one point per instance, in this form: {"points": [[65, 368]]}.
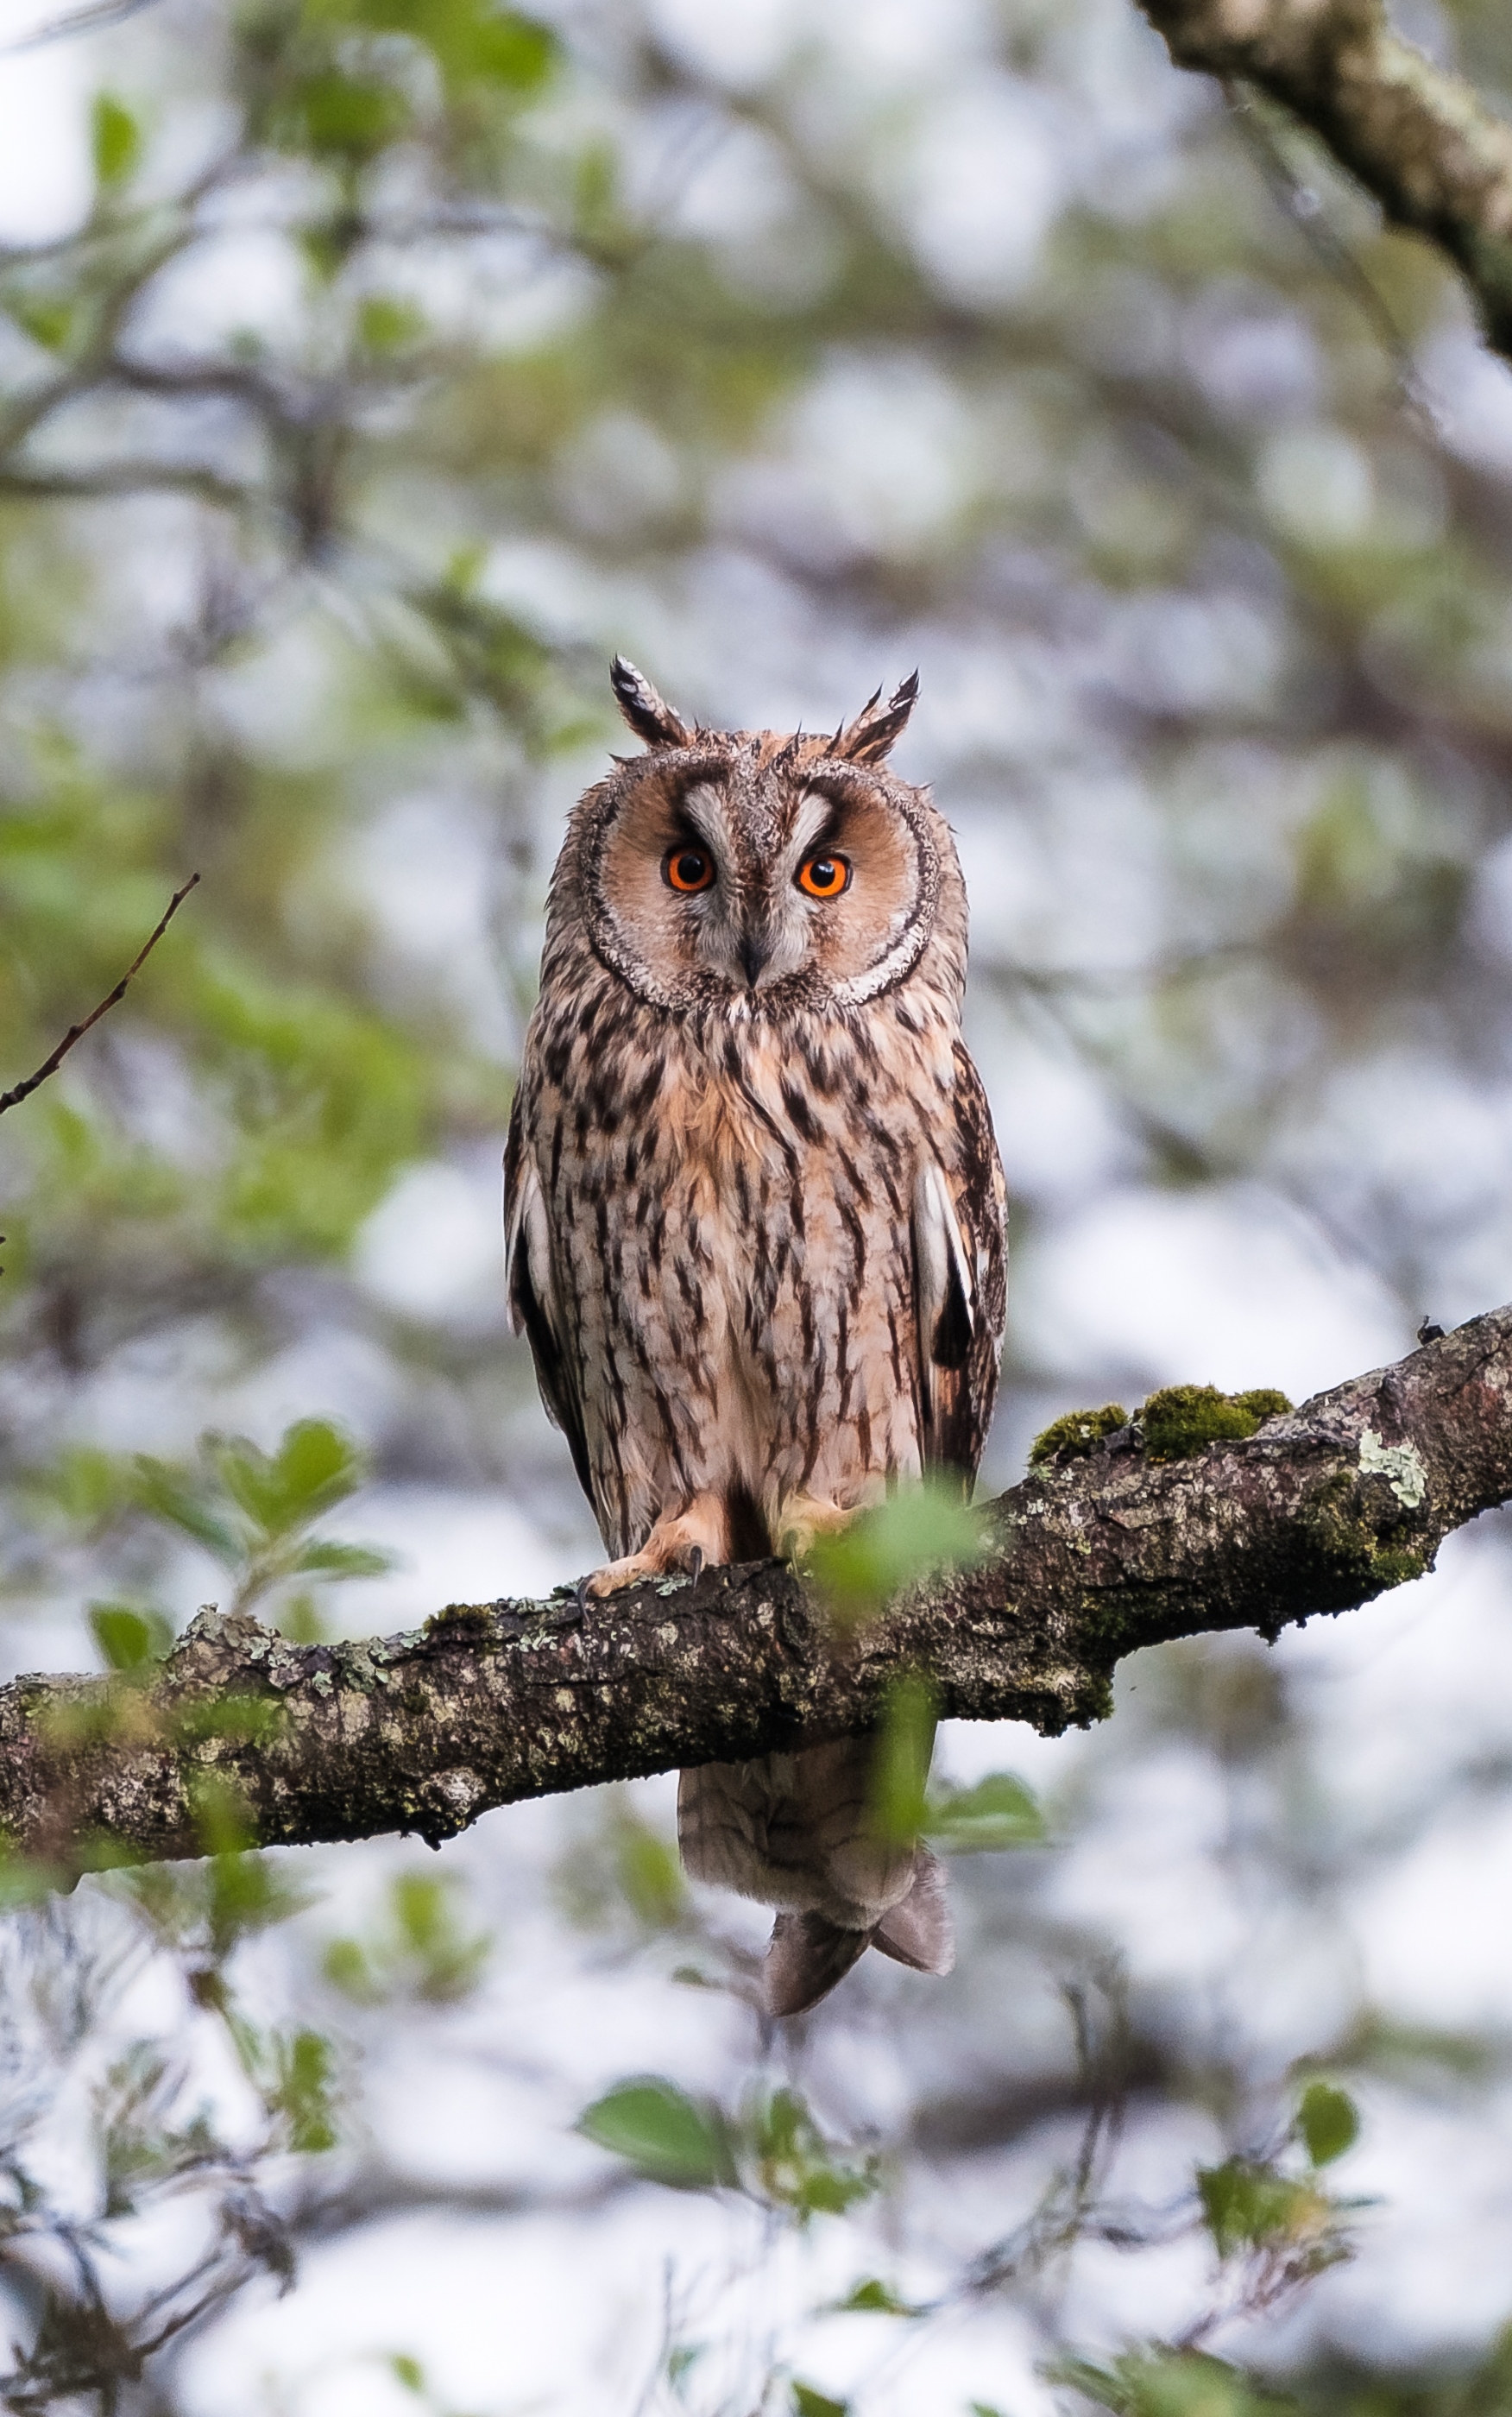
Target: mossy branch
{"points": [[240, 1733], [1435, 156]]}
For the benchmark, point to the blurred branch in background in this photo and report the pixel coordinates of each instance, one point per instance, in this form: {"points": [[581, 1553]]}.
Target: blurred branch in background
{"points": [[1435, 155], [384, 366]]}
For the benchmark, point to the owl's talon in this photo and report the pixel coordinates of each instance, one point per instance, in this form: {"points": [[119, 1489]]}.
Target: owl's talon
{"points": [[581, 1593], [695, 1562]]}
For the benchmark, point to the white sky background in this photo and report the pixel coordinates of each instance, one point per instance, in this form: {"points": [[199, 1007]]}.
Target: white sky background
{"points": [[1234, 1287]]}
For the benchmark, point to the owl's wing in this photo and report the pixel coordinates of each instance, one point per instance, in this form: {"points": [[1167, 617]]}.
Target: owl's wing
{"points": [[960, 1285], [535, 1307]]}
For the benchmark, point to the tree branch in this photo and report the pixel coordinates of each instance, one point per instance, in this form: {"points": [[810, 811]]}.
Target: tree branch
{"points": [[19, 1091], [489, 1703], [1436, 159]]}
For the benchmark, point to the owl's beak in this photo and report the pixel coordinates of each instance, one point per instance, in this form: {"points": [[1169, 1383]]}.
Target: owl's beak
{"points": [[755, 954]]}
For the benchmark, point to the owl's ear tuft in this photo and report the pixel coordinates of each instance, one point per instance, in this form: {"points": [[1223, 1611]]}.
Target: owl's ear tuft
{"points": [[649, 715], [872, 735]]}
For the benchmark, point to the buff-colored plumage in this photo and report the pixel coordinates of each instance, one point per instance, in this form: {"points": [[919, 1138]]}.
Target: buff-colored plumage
{"points": [[755, 1222]]}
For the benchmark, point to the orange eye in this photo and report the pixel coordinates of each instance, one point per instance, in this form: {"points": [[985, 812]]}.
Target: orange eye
{"points": [[824, 877], [686, 869]]}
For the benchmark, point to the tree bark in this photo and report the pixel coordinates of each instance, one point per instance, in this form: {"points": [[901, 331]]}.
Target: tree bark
{"points": [[1436, 159], [488, 1702]]}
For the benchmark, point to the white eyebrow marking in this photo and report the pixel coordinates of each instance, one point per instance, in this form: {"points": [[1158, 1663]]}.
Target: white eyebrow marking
{"points": [[814, 811], [706, 809]]}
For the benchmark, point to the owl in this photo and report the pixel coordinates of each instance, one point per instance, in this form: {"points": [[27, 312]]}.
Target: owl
{"points": [[755, 1226]]}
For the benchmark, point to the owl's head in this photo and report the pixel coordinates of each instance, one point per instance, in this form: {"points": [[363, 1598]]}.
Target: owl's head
{"points": [[781, 872]]}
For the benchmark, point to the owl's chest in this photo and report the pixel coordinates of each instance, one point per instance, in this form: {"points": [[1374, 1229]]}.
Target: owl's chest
{"points": [[761, 1196]]}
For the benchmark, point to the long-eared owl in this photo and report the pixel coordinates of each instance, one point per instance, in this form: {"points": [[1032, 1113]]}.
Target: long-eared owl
{"points": [[755, 1225]]}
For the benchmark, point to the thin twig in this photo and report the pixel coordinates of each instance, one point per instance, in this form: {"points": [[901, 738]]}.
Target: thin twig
{"points": [[75, 1032], [93, 20], [1306, 210]]}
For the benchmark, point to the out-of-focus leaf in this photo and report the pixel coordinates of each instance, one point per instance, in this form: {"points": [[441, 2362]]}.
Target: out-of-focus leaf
{"points": [[797, 2167], [998, 1812], [304, 2091], [49, 319], [1250, 2204], [1161, 2382], [421, 1951], [331, 1560], [387, 324], [161, 1490], [900, 1763], [407, 2371], [115, 140], [130, 1638], [873, 2298], [922, 1529], [314, 1467], [470, 40], [810, 2402], [665, 2135], [1327, 2121], [245, 1893]]}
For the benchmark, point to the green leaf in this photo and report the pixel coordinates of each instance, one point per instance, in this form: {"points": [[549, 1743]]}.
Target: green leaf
{"points": [[163, 1492], [87, 1486], [387, 324], [49, 319], [471, 40], [650, 1874], [245, 1893], [1159, 2382], [659, 2129], [344, 117], [314, 1467], [797, 2167], [1328, 2121], [407, 2371], [922, 1529], [807, 2402], [304, 2091], [346, 1966], [128, 1639], [1000, 1811], [330, 1560], [1250, 2204], [900, 1763], [115, 140], [873, 2298], [446, 1962]]}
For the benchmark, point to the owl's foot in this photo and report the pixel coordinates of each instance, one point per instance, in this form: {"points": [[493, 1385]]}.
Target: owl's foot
{"points": [[801, 1519], [684, 1541]]}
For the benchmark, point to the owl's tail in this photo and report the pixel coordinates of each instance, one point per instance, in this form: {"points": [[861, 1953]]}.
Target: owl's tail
{"points": [[809, 1954]]}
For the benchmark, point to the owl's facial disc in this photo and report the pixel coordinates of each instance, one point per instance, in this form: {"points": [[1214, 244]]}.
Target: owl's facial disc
{"points": [[819, 887]]}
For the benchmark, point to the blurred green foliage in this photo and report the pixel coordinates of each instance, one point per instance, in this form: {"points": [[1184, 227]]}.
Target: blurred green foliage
{"points": [[420, 1949], [771, 2148], [921, 1529], [585, 342]]}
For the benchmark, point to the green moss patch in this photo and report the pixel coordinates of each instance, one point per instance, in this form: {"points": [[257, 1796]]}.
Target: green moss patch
{"points": [[1076, 1434], [1181, 1418]]}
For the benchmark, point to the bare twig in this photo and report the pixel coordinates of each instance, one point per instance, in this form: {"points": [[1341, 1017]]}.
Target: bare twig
{"points": [[75, 1032], [94, 19], [1305, 209]]}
